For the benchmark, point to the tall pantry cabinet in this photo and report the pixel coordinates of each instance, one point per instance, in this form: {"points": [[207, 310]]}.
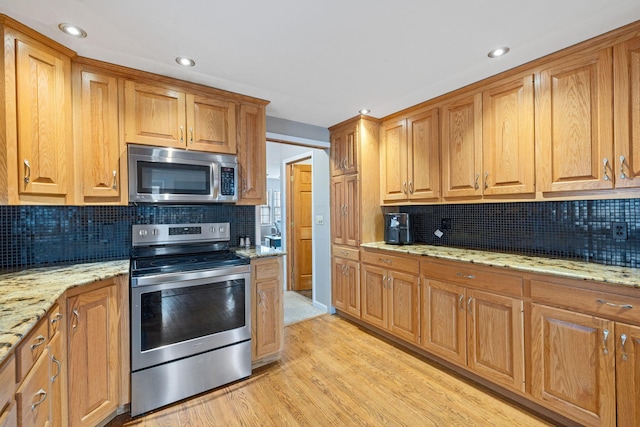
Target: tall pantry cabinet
{"points": [[355, 204]]}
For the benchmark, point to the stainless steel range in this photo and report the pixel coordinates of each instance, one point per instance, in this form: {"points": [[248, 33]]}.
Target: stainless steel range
{"points": [[190, 313]]}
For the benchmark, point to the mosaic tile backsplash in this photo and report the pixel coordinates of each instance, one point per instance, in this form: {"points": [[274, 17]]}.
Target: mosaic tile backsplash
{"points": [[574, 230], [35, 236]]}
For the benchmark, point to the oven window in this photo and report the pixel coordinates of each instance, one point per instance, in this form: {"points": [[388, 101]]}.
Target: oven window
{"points": [[174, 315], [173, 178]]}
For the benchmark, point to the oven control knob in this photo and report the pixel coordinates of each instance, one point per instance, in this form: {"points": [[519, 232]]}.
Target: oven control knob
{"points": [[221, 230], [156, 231], [212, 230], [143, 232]]}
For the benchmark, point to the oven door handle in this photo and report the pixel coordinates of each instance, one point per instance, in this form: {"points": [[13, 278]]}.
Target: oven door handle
{"points": [[229, 273]]}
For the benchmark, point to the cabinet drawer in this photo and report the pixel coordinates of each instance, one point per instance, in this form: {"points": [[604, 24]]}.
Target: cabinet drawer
{"points": [[344, 252], [407, 265], [7, 382], [55, 320], [266, 269], [31, 348], [466, 274], [32, 396], [601, 304]]}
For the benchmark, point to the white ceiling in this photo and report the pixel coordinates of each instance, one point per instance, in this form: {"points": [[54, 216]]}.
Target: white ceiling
{"points": [[319, 62]]}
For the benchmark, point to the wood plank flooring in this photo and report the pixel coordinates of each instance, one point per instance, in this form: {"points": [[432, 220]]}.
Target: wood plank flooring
{"points": [[333, 373]]}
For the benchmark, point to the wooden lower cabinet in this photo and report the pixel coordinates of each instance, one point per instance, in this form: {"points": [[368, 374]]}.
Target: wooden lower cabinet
{"points": [[345, 285], [390, 300], [480, 330], [267, 309], [93, 331], [628, 374]]}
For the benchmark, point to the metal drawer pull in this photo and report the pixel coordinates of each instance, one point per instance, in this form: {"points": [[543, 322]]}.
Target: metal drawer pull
{"points": [[622, 174], [43, 395], [605, 350], [27, 176], [39, 341], [623, 340], [56, 318], [604, 170], [470, 276], [345, 253], [387, 260], [57, 362], [601, 301]]}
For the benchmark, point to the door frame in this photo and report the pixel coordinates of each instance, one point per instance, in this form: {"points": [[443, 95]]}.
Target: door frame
{"points": [[288, 163]]}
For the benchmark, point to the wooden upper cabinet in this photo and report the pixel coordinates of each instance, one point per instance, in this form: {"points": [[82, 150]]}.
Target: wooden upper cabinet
{"points": [[252, 155], [211, 124], [575, 124], [626, 164], [344, 150], [100, 146], [169, 117], [462, 147], [42, 79], [409, 162], [508, 149]]}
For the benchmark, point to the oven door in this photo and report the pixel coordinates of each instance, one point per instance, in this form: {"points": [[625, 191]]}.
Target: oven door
{"points": [[181, 314]]}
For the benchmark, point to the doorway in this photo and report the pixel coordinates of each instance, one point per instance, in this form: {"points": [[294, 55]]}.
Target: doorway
{"points": [[299, 195]]}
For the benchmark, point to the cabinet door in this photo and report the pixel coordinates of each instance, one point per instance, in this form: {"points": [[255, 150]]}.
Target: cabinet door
{"points": [[628, 374], [269, 310], [404, 305], [93, 365], [252, 156], [352, 287], [154, 115], [338, 284], [444, 327], [462, 147], [338, 210], [626, 164], [211, 124], [352, 211], [576, 124], [423, 156], [573, 364], [43, 111], [32, 396], [393, 162], [344, 150], [101, 147], [58, 380], [337, 151], [508, 141], [374, 295], [495, 328]]}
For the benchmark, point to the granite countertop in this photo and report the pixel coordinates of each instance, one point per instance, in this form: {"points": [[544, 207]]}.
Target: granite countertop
{"points": [[570, 269], [259, 252], [26, 296]]}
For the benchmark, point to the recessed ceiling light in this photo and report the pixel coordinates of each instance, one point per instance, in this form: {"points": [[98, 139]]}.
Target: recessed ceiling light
{"points": [[185, 62], [72, 30], [498, 52], [365, 111]]}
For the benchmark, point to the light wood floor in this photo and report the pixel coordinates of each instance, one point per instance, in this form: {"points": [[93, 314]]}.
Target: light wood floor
{"points": [[332, 373]]}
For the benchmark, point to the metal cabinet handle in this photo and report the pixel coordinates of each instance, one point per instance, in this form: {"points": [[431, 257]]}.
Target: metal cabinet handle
{"points": [[404, 187], [486, 180], [623, 340], [190, 135], [27, 172], [75, 324], [39, 341], [259, 297], [385, 260], [344, 163], [115, 180], [56, 318], [465, 276], [345, 253], [605, 350], [476, 186], [605, 162], [469, 305], [622, 174], [410, 187], [461, 302], [57, 362], [43, 395], [181, 134], [611, 304]]}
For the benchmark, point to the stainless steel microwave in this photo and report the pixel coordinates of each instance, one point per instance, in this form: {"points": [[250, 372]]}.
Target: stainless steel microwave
{"points": [[170, 175]]}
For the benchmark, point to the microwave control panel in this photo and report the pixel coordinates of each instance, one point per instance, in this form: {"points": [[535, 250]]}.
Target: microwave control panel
{"points": [[227, 181]]}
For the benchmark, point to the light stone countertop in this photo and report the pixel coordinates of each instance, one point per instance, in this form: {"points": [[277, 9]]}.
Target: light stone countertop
{"points": [[26, 296], [259, 252], [624, 276]]}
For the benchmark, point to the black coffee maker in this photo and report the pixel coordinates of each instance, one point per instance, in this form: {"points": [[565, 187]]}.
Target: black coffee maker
{"points": [[397, 230]]}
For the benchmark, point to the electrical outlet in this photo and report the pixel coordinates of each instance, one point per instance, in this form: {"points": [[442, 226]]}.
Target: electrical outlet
{"points": [[445, 223], [619, 230]]}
